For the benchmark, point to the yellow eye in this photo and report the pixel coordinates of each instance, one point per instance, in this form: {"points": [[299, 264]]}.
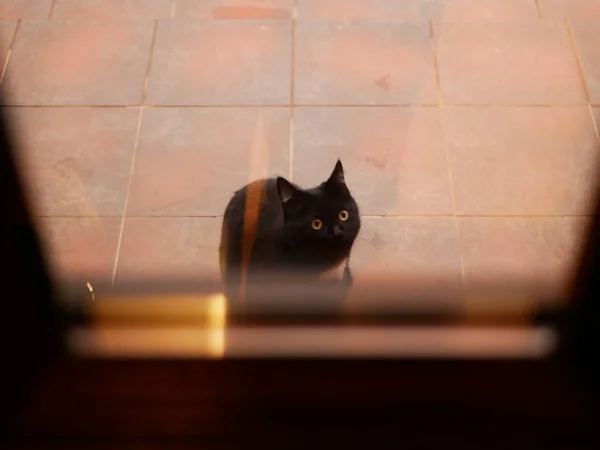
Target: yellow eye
{"points": [[317, 224], [343, 215]]}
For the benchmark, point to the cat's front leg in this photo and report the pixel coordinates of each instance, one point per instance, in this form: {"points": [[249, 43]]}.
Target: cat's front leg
{"points": [[340, 273]]}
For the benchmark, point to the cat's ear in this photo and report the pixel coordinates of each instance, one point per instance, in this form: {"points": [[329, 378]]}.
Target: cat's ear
{"points": [[337, 176], [286, 190]]}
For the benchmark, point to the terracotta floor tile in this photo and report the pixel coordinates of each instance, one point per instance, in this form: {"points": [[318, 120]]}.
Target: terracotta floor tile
{"points": [[394, 158], [407, 10], [519, 248], [522, 160], [112, 9], [370, 63], [234, 9], [587, 41], [25, 9], [167, 248], [221, 63], [77, 161], [478, 10], [81, 248], [190, 161], [7, 31], [408, 248], [572, 9], [516, 63], [79, 63], [359, 9]]}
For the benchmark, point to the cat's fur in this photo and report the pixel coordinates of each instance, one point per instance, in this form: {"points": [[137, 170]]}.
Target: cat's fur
{"points": [[278, 234]]}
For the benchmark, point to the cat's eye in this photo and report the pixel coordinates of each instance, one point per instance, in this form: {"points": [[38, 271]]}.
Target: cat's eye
{"points": [[317, 224], [343, 215]]}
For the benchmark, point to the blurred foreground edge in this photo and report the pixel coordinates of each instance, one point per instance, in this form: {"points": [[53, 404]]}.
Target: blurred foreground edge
{"points": [[531, 382]]}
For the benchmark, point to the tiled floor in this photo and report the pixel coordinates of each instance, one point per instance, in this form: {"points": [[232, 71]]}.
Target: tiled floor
{"points": [[466, 126]]}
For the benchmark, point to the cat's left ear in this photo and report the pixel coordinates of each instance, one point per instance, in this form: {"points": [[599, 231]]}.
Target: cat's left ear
{"points": [[337, 176], [287, 191]]}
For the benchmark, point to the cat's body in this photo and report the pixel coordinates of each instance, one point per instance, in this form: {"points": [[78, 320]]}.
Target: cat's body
{"points": [[272, 226]]}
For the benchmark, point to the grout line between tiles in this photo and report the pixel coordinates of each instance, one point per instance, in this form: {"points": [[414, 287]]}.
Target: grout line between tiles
{"points": [[293, 54], [537, 7], [292, 86], [291, 144], [10, 48], [474, 216], [567, 26], [594, 124], [120, 216], [581, 75], [67, 216], [447, 152], [131, 168], [295, 106], [52, 5], [146, 81], [364, 216], [133, 156], [557, 105], [135, 147]]}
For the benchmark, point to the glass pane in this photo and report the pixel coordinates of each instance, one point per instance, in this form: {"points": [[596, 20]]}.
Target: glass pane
{"points": [[466, 133]]}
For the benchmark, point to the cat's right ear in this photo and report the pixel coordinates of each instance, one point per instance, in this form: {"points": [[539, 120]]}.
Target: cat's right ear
{"points": [[287, 191]]}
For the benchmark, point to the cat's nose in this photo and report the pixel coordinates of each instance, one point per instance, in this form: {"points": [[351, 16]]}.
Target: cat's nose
{"points": [[337, 230]]}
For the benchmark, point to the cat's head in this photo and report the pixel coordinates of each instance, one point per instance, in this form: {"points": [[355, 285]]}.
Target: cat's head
{"points": [[320, 224]]}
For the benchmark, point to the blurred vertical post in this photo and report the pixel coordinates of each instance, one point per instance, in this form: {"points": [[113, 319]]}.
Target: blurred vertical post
{"points": [[581, 328], [30, 329]]}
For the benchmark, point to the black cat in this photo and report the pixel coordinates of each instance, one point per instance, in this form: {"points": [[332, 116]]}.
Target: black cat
{"points": [[272, 226]]}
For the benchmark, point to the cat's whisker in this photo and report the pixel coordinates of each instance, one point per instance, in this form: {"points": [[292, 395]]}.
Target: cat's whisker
{"points": [[362, 240], [360, 246], [362, 243]]}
